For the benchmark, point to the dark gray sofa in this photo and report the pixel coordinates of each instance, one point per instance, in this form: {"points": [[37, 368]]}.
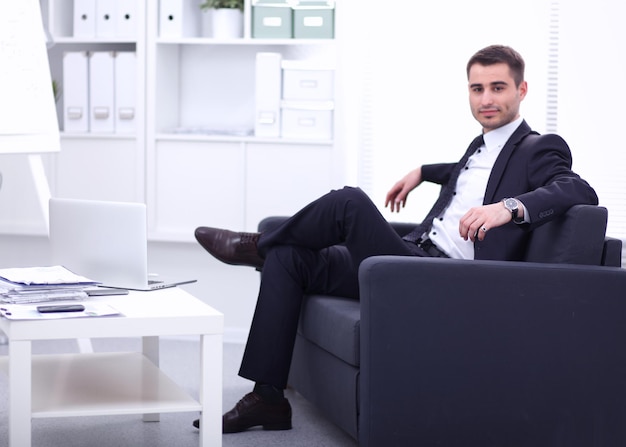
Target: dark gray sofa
{"points": [[442, 352]]}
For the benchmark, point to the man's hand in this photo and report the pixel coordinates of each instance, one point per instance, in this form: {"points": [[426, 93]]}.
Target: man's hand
{"points": [[396, 197], [479, 220]]}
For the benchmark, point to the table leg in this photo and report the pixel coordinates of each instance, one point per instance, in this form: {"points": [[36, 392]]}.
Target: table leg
{"points": [[150, 349], [84, 345], [20, 398], [211, 361]]}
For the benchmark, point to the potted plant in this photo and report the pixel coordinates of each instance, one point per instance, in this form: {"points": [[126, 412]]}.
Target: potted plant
{"points": [[224, 18], [56, 90]]}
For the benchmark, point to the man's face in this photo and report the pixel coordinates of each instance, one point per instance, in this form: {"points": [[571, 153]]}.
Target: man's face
{"points": [[494, 98]]}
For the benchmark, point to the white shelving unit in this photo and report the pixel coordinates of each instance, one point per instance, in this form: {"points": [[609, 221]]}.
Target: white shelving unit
{"points": [[221, 176], [97, 166], [227, 180]]}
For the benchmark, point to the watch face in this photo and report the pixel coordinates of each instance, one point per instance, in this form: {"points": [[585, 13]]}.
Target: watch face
{"points": [[510, 204]]}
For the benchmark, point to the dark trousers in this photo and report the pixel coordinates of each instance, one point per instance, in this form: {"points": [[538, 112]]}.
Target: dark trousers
{"points": [[303, 256]]}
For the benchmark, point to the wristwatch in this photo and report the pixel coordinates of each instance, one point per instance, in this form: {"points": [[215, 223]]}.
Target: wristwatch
{"points": [[513, 206]]}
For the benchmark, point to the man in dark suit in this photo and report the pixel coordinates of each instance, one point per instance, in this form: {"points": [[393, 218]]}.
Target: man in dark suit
{"points": [[509, 181]]}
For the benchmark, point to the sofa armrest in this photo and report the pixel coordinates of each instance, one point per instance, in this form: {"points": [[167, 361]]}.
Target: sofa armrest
{"points": [[612, 252], [503, 353]]}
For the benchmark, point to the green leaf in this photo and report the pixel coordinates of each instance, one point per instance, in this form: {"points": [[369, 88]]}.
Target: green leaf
{"points": [[217, 4]]}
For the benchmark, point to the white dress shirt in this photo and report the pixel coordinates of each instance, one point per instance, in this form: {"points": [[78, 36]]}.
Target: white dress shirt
{"points": [[470, 192]]}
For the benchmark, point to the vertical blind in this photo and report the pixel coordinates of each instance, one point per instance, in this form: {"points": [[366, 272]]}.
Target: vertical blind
{"points": [[591, 112]]}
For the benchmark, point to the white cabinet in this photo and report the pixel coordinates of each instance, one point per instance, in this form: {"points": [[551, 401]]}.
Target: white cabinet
{"points": [[231, 184], [281, 179], [193, 157], [194, 183]]}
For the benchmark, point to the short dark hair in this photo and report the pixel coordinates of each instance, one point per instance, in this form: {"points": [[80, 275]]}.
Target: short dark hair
{"points": [[496, 54]]}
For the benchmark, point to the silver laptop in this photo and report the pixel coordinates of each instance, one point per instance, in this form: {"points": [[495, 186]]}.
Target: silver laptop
{"points": [[104, 241]]}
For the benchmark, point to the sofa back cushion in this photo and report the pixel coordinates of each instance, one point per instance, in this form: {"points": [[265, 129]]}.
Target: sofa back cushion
{"points": [[577, 237]]}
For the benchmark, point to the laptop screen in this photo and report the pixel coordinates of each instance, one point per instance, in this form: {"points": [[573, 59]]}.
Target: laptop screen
{"points": [[104, 241]]}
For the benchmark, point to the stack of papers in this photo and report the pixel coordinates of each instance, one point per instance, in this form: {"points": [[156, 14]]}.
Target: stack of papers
{"points": [[43, 276], [41, 284]]}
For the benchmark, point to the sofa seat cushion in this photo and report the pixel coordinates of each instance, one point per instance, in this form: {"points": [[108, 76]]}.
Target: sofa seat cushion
{"points": [[332, 323]]}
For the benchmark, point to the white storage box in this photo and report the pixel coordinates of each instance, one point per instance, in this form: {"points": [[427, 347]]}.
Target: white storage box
{"points": [[307, 119], [303, 81]]}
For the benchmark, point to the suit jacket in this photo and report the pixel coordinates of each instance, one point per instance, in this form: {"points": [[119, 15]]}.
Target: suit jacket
{"points": [[535, 169]]}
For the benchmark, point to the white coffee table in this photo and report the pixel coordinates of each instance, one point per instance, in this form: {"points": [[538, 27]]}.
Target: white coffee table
{"points": [[92, 384]]}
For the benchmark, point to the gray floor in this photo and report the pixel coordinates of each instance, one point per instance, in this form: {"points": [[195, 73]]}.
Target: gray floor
{"points": [[179, 361]]}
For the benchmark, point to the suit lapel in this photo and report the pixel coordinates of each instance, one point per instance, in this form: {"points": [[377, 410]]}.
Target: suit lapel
{"points": [[503, 159]]}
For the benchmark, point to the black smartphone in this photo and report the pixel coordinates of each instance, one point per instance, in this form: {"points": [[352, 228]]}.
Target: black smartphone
{"points": [[60, 308]]}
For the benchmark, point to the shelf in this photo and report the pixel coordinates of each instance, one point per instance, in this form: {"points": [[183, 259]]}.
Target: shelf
{"points": [[239, 139], [70, 385], [96, 136], [89, 41], [242, 41]]}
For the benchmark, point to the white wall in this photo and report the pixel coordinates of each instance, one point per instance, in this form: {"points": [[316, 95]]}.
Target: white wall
{"points": [[418, 84], [592, 99], [418, 111]]}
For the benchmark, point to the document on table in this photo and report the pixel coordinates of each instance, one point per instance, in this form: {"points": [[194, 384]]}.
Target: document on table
{"points": [[30, 312], [40, 284], [55, 275]]}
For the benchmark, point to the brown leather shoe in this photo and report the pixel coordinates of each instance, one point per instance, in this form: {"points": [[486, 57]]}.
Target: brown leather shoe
{"points": [[251, 411], [231, 247]]}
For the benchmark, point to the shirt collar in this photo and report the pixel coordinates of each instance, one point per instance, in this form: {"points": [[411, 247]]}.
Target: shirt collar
{"points": [[497, 138]]}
